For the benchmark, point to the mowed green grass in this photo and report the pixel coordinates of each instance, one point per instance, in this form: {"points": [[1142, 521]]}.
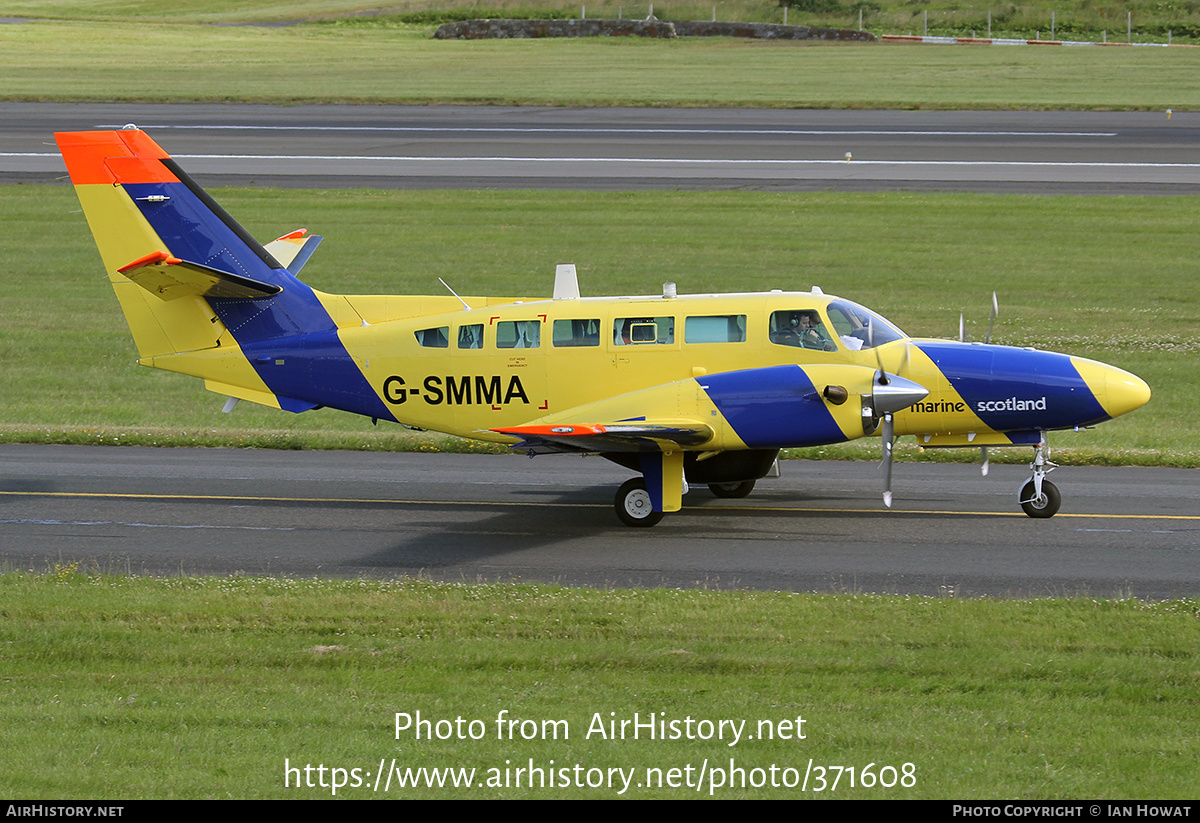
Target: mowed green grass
{"points": [[163, 62], [1099, 277], [121, 687]]}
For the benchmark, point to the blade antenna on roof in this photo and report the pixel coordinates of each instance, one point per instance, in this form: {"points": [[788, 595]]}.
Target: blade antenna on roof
{"points": [[452, 291], [992, 319]]}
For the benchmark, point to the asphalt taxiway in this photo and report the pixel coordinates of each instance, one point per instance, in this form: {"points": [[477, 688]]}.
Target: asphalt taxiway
{"points": [[538, 147], [821, 527]]}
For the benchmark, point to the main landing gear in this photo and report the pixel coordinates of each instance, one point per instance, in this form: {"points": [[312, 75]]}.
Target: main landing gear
{"points": [[1039, 497], [633, 504], [665, 477], [635, 507]]}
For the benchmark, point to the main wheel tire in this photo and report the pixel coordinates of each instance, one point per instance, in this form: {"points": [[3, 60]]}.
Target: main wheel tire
{"points": [[1045, 506], [633, 504], [731, 490]]}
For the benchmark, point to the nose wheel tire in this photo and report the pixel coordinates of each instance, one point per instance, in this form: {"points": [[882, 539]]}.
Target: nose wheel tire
{"points": [[1045, 505], [633, 504], [731, 490]]}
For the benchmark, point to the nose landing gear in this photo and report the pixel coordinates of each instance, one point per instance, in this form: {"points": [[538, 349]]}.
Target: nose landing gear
{"points": [[1039, 497]]}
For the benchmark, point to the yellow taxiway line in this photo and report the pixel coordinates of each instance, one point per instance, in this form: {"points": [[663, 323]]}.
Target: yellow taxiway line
{"points": [[401, 502]]}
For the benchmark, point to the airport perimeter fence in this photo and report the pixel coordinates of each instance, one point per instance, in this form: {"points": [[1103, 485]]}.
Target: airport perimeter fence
{"points": [[1166, 24]]}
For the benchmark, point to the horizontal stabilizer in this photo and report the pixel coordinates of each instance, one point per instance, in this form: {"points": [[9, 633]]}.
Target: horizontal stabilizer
{"points": [[611, 437], [169, 278], [293, 249]]}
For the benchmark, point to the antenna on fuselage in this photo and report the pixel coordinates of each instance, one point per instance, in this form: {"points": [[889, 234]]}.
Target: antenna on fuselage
{"points": [[452, 291], [566, 282], [992, 319]]}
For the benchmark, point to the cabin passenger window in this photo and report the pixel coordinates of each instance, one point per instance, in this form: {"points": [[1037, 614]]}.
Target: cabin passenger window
{"points": [[569, 333], [642, 330], [438, 338], [802, 328], [518, 334], [724, 328], [470, 337]]}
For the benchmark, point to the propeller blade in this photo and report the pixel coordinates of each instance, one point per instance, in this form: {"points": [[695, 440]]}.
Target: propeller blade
{"points": [[888, 434], [992, 319], [984, 453], [881, 377]]}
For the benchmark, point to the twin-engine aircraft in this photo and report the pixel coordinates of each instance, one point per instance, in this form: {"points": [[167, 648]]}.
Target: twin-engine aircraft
{"points": [[682, 389]]}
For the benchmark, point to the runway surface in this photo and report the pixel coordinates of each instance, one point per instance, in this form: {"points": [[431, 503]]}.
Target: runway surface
{"points": [[506, 147], [821, 527]]}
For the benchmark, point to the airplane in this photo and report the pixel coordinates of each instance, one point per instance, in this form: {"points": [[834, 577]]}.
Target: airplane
{"points": [[682, 389]]}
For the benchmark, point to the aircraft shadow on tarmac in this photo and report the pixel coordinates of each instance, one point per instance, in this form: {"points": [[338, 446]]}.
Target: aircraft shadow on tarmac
{"points": [[582, 521]]}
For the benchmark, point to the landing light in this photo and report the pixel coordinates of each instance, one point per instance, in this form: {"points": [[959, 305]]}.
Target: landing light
{"points": [[837, 395]]}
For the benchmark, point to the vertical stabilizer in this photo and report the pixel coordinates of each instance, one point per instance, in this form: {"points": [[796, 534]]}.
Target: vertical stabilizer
{"points": [[141, 205], [200, 294]]}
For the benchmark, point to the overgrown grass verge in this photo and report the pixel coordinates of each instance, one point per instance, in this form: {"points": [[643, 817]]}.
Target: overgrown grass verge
{"points": [[125, 687], [391, 438]]}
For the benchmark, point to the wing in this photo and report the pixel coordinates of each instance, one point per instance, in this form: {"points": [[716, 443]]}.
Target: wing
{"points": [[619, 436]]}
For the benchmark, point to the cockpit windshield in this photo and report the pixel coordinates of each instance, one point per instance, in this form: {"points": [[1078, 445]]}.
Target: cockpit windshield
{"points": [[859, 327]]}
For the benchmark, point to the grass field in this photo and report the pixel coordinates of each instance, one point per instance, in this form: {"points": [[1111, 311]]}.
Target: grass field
{"points": [[118, 687], [325, 63]]}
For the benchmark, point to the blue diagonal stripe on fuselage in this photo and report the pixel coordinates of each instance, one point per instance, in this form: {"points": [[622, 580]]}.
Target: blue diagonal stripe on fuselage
{"points": [[772, 407], [316, 369], [1013, 389], [289, 338]]}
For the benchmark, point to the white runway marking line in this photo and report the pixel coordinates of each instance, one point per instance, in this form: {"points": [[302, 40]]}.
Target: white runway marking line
{"points": [[610, 130], [648, 160], [540, 504], [658, 160]]}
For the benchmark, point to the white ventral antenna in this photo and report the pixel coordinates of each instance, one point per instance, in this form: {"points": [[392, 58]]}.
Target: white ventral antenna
{"points": [[566, 282]]}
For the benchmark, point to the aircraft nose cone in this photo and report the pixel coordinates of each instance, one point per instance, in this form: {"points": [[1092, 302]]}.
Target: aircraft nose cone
{"points": [[1124, 392], [1116, 390], [898, 393]]}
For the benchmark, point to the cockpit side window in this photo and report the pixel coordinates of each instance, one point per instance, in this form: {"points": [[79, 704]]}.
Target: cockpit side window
{"points": [[859, 327], [802, 328]]}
